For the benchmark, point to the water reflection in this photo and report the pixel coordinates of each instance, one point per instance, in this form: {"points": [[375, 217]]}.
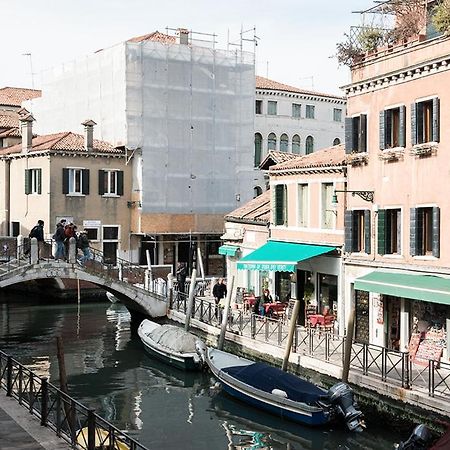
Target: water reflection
{"points": [[163, 407]]}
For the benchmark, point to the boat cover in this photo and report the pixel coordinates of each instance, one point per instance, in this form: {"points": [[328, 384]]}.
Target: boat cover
{"points": [[174, 338], [266, 378]]}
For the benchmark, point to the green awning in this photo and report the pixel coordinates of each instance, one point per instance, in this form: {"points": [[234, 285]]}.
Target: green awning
{"points": [[228, 250], [281, 256], [429, 288]]}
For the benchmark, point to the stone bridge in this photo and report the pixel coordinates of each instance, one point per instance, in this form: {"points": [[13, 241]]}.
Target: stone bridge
{"points": [[118, 280]]}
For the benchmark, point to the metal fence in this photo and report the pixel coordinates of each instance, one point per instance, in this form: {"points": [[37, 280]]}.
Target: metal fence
{"points": [[79, 426]]}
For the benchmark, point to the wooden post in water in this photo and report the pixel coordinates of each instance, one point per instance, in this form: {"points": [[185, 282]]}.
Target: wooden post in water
{"points": [[348, 344], [223, 326], [292, 325], [190, 305]]}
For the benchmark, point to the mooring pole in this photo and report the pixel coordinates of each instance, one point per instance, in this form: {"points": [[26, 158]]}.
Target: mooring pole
{"points": [[292, 325], [190, 305], [348, 344], [223, 326]]}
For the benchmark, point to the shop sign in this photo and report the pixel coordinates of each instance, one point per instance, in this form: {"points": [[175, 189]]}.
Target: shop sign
{"points": [[92, 223]]}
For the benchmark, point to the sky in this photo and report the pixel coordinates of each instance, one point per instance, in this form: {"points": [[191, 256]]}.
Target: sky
{"points": [[297, 38]]}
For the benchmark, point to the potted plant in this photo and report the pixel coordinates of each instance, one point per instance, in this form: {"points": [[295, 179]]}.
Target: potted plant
{"points": [[441, 17]]}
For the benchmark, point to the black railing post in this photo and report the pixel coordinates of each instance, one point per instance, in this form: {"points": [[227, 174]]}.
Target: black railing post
{"points": [[9, 376], [280, 332], [44, 401], [327, 346], [405, 371], [295, 340], [253, 326], [310, 341], [201, 310], [431, 378], [91, 430], [58, 413], [31, 388], [365, 358], [20, 384]]}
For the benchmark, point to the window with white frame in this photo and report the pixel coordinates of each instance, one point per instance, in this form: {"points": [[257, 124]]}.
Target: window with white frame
{"points": [[296, 110], [337, 114], [110, 182], [75, 181], [92, 233], [310, 111], [309, 145], [110, 243], [272, 141], [272, 108], [33, 181], [296, 144], [303, 205], [328, 216], [284, 143], [258, 107]]}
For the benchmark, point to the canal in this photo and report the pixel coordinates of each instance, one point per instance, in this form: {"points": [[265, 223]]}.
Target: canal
{"points": [[161, 407]]}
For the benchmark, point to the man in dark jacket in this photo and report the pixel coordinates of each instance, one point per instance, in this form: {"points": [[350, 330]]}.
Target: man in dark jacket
{"points": [[59, 237], [219, 292], [38, 232]]}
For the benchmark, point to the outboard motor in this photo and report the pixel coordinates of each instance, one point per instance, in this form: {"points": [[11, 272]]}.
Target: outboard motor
{"points": [[420, 439], [341, 397], [201, 349]]}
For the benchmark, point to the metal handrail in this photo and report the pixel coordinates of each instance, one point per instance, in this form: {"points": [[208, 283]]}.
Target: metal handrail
{"points": [[81, 427]]}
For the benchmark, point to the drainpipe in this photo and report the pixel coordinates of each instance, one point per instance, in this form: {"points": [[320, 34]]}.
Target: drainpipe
{"points": [[7, 197]]}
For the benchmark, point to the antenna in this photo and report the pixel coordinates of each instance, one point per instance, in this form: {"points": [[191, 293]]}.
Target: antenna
{"points": [[31, 68]]}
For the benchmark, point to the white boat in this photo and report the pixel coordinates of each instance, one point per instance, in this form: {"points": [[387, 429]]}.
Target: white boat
{"points": [[284, 394], [172, 345]]}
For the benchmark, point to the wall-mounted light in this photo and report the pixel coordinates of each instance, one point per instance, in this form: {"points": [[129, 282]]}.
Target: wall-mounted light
{"points": [[365, 195], [134, 203]]}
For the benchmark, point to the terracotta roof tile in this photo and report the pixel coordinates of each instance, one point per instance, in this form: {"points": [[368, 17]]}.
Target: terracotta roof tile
{"points": [[265, 83], [12, 132], [331, 156], [156, 36], [66, 141], [11, 96], [275, 157], [256, 210], [9, 119]]}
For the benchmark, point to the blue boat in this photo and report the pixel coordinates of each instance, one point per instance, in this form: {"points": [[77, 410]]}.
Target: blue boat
{"points": [[284, 394]]}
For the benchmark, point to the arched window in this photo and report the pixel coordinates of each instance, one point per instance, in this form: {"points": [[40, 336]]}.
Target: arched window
{"points": [[309, 146], [272, 142], [337, 141], [296, 144], [257, 190], [258, 149], [284, 143]]}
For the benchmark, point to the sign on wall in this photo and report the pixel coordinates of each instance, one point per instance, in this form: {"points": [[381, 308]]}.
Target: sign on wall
{"points": [[92, 223]]}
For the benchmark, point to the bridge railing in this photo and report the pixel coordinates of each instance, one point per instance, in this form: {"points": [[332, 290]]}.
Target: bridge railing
{"points": [[81, 427]]}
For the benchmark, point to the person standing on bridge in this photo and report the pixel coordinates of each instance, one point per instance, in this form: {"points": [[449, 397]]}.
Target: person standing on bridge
{"points": [[38, 232], [59, 237], [219, 293], [83, 245]]}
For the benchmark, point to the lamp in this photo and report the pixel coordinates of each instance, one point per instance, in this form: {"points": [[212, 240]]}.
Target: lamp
{"points": [[134, 203], [365, 195]]}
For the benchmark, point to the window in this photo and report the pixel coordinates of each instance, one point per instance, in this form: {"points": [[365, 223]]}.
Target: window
{"points": [[272, 142], [110, 232], [309, 145], [356, 134], [328, 213], [272, 108], [257, 191], [110, 243], [110, 182], [357, 231], [392, 128], [425, 121], [296, 144], [280, 204], [389, 232], [296, 110], [303, 205], [76, 181], [425, 231], [92, 233], [258, 107], [258, 149], [284, 143], [337, 115], [15, 229], [33, 181], [309, 112], [336, 141]]}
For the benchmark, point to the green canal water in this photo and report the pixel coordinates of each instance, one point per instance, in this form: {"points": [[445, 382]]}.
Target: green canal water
{"points": [[162, 407]]}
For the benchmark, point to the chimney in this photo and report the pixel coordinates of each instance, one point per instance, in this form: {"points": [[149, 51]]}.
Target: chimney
{"points": [[26, 129], [89, 134], [183, 36]]}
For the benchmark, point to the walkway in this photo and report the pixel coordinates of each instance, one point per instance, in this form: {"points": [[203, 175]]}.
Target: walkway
{"points": [[21, 431]]}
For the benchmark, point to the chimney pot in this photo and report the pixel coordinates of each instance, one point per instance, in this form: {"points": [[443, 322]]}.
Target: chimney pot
{"points": [[183, 36], [26, 129], [89, 134]]}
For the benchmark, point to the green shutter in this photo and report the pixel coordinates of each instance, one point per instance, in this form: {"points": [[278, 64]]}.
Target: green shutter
{"points": [[39, 180], [349, 135], [348, 228], [402, 126], [101, 182], [435, 130], [382, 130], [285, 206], [279, 204], [381, 230], [27, 181], [413, 124], [65, 181], [85, 182], [367, 232], [436, 232], [120, 182], [362, 147]]}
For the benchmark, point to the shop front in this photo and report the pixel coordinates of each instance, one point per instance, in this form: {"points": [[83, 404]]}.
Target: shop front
{"points": [[410, 312]]}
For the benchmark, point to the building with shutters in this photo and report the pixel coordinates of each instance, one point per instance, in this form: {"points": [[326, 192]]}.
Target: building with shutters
{"points": [[71, 176], [397, 257]]}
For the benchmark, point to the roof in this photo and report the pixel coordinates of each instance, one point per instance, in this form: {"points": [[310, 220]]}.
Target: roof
{"points": [[156, 36], [12, 132], [275, 157], [11, 96], [331, 156], [66, 141], [9, 119], [256, 210], [265, 83]]}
